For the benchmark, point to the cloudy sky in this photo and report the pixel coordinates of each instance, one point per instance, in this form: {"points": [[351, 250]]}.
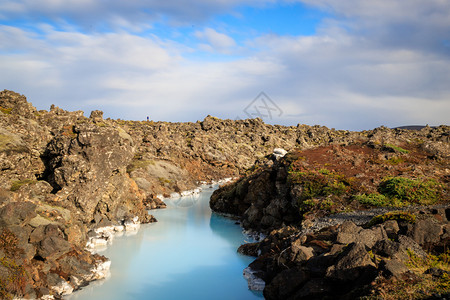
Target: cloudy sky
{"points": [[347, 64]]}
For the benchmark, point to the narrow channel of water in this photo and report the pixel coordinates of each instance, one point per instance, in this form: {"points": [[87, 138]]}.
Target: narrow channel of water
{"points": [[190, 253]]}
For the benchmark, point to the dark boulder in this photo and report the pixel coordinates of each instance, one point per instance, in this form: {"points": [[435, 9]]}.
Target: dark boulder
{"points": [[353, 264], [285, 284]]}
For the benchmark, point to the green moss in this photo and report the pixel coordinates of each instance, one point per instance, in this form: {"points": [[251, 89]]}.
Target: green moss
{"points": [[395, 161], [164, 181], [372, 199], [441, 261], [396, 148], [319, 183], [392, 215], [101, 124], [16, 185], [407, 190], [189, 142], [6, 111], [139, 164]]}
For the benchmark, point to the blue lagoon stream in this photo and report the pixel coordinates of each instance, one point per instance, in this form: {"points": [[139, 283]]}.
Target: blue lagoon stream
{"points": [[190, 253]]}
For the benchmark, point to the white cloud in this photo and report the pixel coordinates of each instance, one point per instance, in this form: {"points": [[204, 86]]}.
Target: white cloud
{"points": [[215, 41]]}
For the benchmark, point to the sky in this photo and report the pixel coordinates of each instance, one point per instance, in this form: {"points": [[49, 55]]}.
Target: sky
{"points": [[344, 64]]}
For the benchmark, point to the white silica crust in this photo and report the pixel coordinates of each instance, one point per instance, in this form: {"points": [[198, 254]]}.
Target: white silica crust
{"points": [[254, 283]]}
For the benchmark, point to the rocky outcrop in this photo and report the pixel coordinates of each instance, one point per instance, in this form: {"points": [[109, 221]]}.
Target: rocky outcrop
{"points": [[263, 200], [346, 261], [88, 173], [62, 176], [347, 221]]}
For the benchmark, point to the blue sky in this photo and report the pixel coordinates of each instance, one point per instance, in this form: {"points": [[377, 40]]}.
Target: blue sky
{"points": [[347, 64]]}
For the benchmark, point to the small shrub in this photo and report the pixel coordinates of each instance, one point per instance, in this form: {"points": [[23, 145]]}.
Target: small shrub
{"points": [[328, 205], [372, 199], [411, 190], [319, 183], [324, 171], [307, 205], [419, 286], [393, 215]]}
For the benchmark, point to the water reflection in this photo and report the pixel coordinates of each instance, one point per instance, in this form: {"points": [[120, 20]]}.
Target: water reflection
{"points": [[190, 253], [187, 201]]}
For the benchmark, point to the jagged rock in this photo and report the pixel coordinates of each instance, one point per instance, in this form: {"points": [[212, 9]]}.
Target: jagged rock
{"points": [[300, 253], [285, 284], [53, 247], [254, 282], [96, 115], [17, 104], [389, 248], [59, 285], [351, 233], [313, 289], [16, 213], [348, 233], [10, 142], [22, 233], [408, 243], [97, 150], [426, 232], [250, 249], [391, 227], [393, 267], [353, 264]]}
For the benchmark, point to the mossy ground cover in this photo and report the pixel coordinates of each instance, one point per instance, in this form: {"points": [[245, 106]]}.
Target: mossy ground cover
{"points": [[17, 184], [6, 111], [414, 191], [353, 176], [395, 148], [401, 191], [392, 215], [322, 182], [419, 283]]}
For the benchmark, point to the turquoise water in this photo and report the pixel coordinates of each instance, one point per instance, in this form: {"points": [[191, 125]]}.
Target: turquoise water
{"points": [[190, 253]]}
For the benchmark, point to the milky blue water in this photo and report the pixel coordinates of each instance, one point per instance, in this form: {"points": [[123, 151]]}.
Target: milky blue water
{"points": [[190, 253]]}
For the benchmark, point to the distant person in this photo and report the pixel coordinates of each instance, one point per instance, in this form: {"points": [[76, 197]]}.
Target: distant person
{"points": [[148, 119]]}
